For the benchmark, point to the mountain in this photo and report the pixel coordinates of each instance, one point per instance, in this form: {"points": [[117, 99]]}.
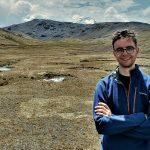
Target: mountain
{"points": [[55, 30], [8, 38]]}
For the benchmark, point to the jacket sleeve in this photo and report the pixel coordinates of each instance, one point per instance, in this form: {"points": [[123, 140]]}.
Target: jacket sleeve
{"points": [[142, 131], [114, 124]]}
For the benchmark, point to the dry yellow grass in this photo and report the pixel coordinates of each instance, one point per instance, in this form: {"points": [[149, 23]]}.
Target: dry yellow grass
{"points": [[40, 115]]}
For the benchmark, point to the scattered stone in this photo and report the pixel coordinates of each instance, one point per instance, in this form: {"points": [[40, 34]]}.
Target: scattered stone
{"points": [[3, 82]]}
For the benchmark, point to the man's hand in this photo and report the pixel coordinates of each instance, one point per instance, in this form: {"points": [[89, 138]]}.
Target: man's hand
{"points": [[103, 109]]}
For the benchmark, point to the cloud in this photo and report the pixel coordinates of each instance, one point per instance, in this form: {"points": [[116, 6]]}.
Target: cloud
{"points": [[88, 20], [113, 15], [81, 19], [124, 5], [36, 12], [87, 11], [110, 11], [34, 16], [21, 5], [146, 12], [14, 11], [77, 18], [21, 9]]}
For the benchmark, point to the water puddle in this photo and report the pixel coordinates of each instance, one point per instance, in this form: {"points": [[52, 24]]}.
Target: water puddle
{"points": [[5, 68], [55, 79]]}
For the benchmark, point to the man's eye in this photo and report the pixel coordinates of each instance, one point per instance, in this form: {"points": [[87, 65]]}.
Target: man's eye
{"points": [[130, 48], [119, 49]]}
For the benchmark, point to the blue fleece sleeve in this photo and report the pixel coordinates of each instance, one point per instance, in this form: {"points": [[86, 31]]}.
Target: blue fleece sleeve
{"points": [[114, 124], [117, 124], [140, 132]]}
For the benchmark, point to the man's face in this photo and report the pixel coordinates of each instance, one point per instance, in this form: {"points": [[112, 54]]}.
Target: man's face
{"points": [[124, 58]]}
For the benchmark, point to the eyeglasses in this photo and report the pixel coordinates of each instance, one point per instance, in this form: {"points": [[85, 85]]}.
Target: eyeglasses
{"points": [[128, 49]]}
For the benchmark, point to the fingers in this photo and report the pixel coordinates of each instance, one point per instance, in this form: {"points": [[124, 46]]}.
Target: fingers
{"points": [[100, 108], [103, 109], [103, 104]]}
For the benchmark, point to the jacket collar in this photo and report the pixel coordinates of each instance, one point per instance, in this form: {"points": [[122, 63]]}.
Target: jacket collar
{"points": [[133, 73]]}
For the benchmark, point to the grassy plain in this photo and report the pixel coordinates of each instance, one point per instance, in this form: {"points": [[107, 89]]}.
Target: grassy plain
{"points": [[40, 115]]}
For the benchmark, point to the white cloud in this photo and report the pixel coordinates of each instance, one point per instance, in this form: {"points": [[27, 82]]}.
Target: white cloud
{"points": [[21, 9], [110, 11], [21, 5], [81, 19], [87, 11], [113, 15], [77, 18], [124, 5], [34, 13], [146, 12], [34, 16], [88, 21]]}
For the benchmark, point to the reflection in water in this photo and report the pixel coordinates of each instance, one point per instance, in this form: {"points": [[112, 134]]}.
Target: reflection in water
{"points": [[5, 68], [56, 79]]}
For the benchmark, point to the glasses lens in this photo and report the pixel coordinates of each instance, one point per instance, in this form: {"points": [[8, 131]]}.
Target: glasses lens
{"points": [[130, 49], [119, 50]]}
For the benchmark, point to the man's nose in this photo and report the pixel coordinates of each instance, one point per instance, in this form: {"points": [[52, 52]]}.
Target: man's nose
{"points": [[124, 51]]}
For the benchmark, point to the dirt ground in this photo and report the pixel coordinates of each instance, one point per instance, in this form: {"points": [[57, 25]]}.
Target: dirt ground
{"points": [[37, 113]]}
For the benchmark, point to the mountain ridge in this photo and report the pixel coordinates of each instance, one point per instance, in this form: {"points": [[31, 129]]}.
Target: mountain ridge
{"points": [[55, 30]]}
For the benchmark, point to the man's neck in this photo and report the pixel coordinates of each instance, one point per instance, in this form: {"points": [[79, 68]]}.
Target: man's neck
{"points": [[126, 71]]}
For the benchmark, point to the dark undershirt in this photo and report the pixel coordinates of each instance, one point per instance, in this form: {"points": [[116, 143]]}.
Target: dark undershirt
{"points": [[125, 80]]}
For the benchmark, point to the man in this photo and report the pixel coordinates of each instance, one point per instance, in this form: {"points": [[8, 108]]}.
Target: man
{"points": [[121, 108]]}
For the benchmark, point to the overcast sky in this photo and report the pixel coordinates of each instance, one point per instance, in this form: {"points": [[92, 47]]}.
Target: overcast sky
{"points": [[87, 11]]}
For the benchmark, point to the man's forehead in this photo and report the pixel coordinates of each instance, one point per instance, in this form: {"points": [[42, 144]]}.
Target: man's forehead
{"points": [[127, 39], [124, 41]]}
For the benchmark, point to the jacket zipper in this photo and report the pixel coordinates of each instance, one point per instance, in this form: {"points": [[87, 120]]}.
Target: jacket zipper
{"points": [[134, 99], [128, 94]]}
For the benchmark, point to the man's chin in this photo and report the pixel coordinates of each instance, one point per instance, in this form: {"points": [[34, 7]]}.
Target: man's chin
{"points": [[126, 66]]}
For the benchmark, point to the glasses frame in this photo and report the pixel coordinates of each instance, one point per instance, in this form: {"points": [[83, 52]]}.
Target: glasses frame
{"points": [[129, 50]]}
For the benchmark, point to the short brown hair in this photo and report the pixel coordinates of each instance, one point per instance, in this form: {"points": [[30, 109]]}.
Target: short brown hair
{"points": [[124, 34]]}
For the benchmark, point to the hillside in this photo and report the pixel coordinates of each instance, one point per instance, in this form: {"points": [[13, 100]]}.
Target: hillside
{"points": [[55, 30], [8, 38]]}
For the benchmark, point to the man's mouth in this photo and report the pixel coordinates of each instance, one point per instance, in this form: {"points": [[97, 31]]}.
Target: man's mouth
{"points": [[125, 59]]}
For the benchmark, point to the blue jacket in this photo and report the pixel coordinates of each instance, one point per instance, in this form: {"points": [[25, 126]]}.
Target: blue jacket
{"points": [[128, 128]]}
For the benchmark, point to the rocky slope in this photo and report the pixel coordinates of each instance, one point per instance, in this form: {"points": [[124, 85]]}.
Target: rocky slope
{"points": [[49, 29]]}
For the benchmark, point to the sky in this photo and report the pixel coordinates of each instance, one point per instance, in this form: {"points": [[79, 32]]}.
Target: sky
{"points": [[84, 11]]}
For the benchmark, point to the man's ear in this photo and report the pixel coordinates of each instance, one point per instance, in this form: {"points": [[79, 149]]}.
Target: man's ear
{"points": [[137, 49], [113, 53]]}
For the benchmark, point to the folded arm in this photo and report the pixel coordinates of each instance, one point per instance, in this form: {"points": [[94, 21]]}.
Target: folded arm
{"points": [[140, 132], [109, 124], [129, 122], [117, 124]]}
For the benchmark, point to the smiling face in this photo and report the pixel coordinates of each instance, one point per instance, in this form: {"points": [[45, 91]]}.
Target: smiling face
{"points": [[125, 60]]}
